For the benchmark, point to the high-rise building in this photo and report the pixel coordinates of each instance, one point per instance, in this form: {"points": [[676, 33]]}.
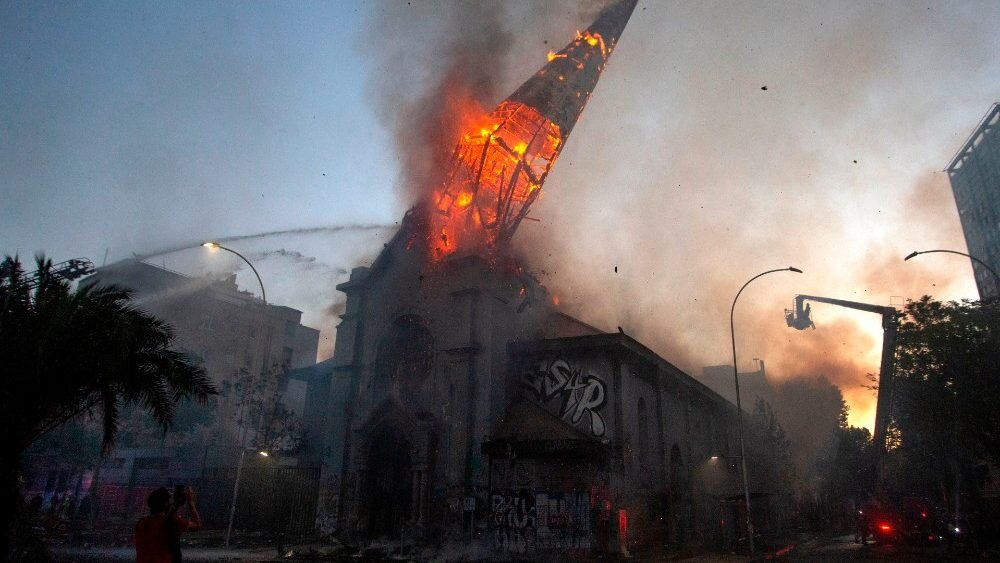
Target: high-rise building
{"points": [[975, 181]]}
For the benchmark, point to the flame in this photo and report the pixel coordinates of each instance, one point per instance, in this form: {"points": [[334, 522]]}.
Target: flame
{"points": [[594, 40], [493, 178], [555, 299], [501, 160]]}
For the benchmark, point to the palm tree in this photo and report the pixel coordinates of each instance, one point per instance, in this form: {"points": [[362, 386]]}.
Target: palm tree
{"points": [[65, 353]]}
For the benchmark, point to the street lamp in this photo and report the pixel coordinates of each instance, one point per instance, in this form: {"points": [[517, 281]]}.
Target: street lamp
{"points": [[239, 467], [236, 488], [214, 245], [996, 276], [739, 406]]}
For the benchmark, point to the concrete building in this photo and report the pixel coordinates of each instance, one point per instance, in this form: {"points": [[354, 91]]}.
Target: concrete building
{"points": [[229, 330], [231, 333], [474, 406], [975, 181]]}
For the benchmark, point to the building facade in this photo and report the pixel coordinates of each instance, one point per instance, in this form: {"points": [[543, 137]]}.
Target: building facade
{"points": [[475, 408], [975, 182], [232, 332], [233, 335]]}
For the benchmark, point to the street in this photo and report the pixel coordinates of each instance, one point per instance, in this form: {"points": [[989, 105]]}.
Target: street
{"points": [[843, 548]]}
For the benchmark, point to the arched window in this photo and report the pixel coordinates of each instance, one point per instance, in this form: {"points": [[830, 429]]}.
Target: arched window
{"points": [[642, 432], [405, 354]]}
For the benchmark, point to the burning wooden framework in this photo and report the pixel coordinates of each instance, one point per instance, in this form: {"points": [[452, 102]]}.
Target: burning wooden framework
{"points": [[497, 171]]}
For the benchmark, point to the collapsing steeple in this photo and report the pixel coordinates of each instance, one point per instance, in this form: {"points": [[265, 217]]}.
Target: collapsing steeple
{"points": [[497, 172]]}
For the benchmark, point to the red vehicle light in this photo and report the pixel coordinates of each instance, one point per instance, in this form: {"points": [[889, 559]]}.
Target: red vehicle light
{"points": [[885, 527]]}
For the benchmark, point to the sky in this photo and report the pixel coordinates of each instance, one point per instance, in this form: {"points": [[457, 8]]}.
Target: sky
{"points": [[724, 139]]}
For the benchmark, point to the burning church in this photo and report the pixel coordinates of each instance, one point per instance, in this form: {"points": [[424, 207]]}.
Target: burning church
{"points": [[475, 408]]}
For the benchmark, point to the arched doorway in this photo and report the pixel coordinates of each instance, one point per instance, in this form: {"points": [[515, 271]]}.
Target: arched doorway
{"points": [[388, 484]]}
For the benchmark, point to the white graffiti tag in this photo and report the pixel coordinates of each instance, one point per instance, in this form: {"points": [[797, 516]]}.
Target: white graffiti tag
{"points": [[580, 394]]}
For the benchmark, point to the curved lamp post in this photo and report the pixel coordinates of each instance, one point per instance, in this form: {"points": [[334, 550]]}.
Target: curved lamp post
{"points": [[739, 406], [243, 450], [996, 276], [213, 244]]}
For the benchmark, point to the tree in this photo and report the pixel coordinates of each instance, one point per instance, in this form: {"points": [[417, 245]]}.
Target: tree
{"points": [[193, 425], [262, 419], [946, 389], [769, 452], [66, 353], [847, 474]]}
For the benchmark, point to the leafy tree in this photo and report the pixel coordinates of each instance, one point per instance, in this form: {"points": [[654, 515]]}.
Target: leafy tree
{"points": [[260, 414], [769, 452], [193, 425], [947, 384], [66, 353], [848, 474]]}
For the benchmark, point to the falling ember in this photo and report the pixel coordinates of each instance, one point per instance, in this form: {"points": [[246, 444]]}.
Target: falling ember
{"points": [[495, 176]]}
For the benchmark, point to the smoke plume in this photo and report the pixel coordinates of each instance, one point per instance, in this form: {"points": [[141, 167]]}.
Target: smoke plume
{"points": [[438, 65], [714, 148]]}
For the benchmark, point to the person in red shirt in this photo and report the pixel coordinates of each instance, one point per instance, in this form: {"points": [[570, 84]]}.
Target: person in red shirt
{"points": [[183, 496], [152, 533]]}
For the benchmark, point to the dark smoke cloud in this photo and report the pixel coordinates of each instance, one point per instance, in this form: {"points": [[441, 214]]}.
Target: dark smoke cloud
{"points": [[437, 64], [433, 64], [722, 141], [807, 409]]}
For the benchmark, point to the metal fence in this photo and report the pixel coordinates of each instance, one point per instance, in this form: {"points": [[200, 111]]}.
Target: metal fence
{"points": [[271, 499]]}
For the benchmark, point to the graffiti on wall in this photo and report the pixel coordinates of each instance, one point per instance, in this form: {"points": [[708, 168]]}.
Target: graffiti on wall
{"points": [[525, 521], [538, 507], [513, 521], [580, 396]]}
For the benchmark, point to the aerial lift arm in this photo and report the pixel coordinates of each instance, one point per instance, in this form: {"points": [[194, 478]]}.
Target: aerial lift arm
{"points": [[798, 318]]}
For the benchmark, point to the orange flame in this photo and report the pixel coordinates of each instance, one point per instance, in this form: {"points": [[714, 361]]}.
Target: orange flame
{"points": [[493, 178], [501, 161]]}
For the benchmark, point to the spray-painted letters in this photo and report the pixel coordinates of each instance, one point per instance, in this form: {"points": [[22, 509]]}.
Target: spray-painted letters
{"points": [[579, 394]]}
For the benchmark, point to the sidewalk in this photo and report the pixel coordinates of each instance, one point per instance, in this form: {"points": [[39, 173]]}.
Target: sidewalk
{"points": [[66, 554]]}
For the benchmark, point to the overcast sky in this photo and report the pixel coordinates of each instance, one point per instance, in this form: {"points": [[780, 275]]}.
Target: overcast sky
{"points": [[135, 127]]}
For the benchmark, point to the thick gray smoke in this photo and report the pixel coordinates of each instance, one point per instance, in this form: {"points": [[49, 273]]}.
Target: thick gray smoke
{"points": [[437, 64], [725, 141], [722, 141]]}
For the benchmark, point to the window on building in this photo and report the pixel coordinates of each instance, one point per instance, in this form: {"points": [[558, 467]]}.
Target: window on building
{"points": [[405, 354], [290, 327], [642, 432], [286, 357]]}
